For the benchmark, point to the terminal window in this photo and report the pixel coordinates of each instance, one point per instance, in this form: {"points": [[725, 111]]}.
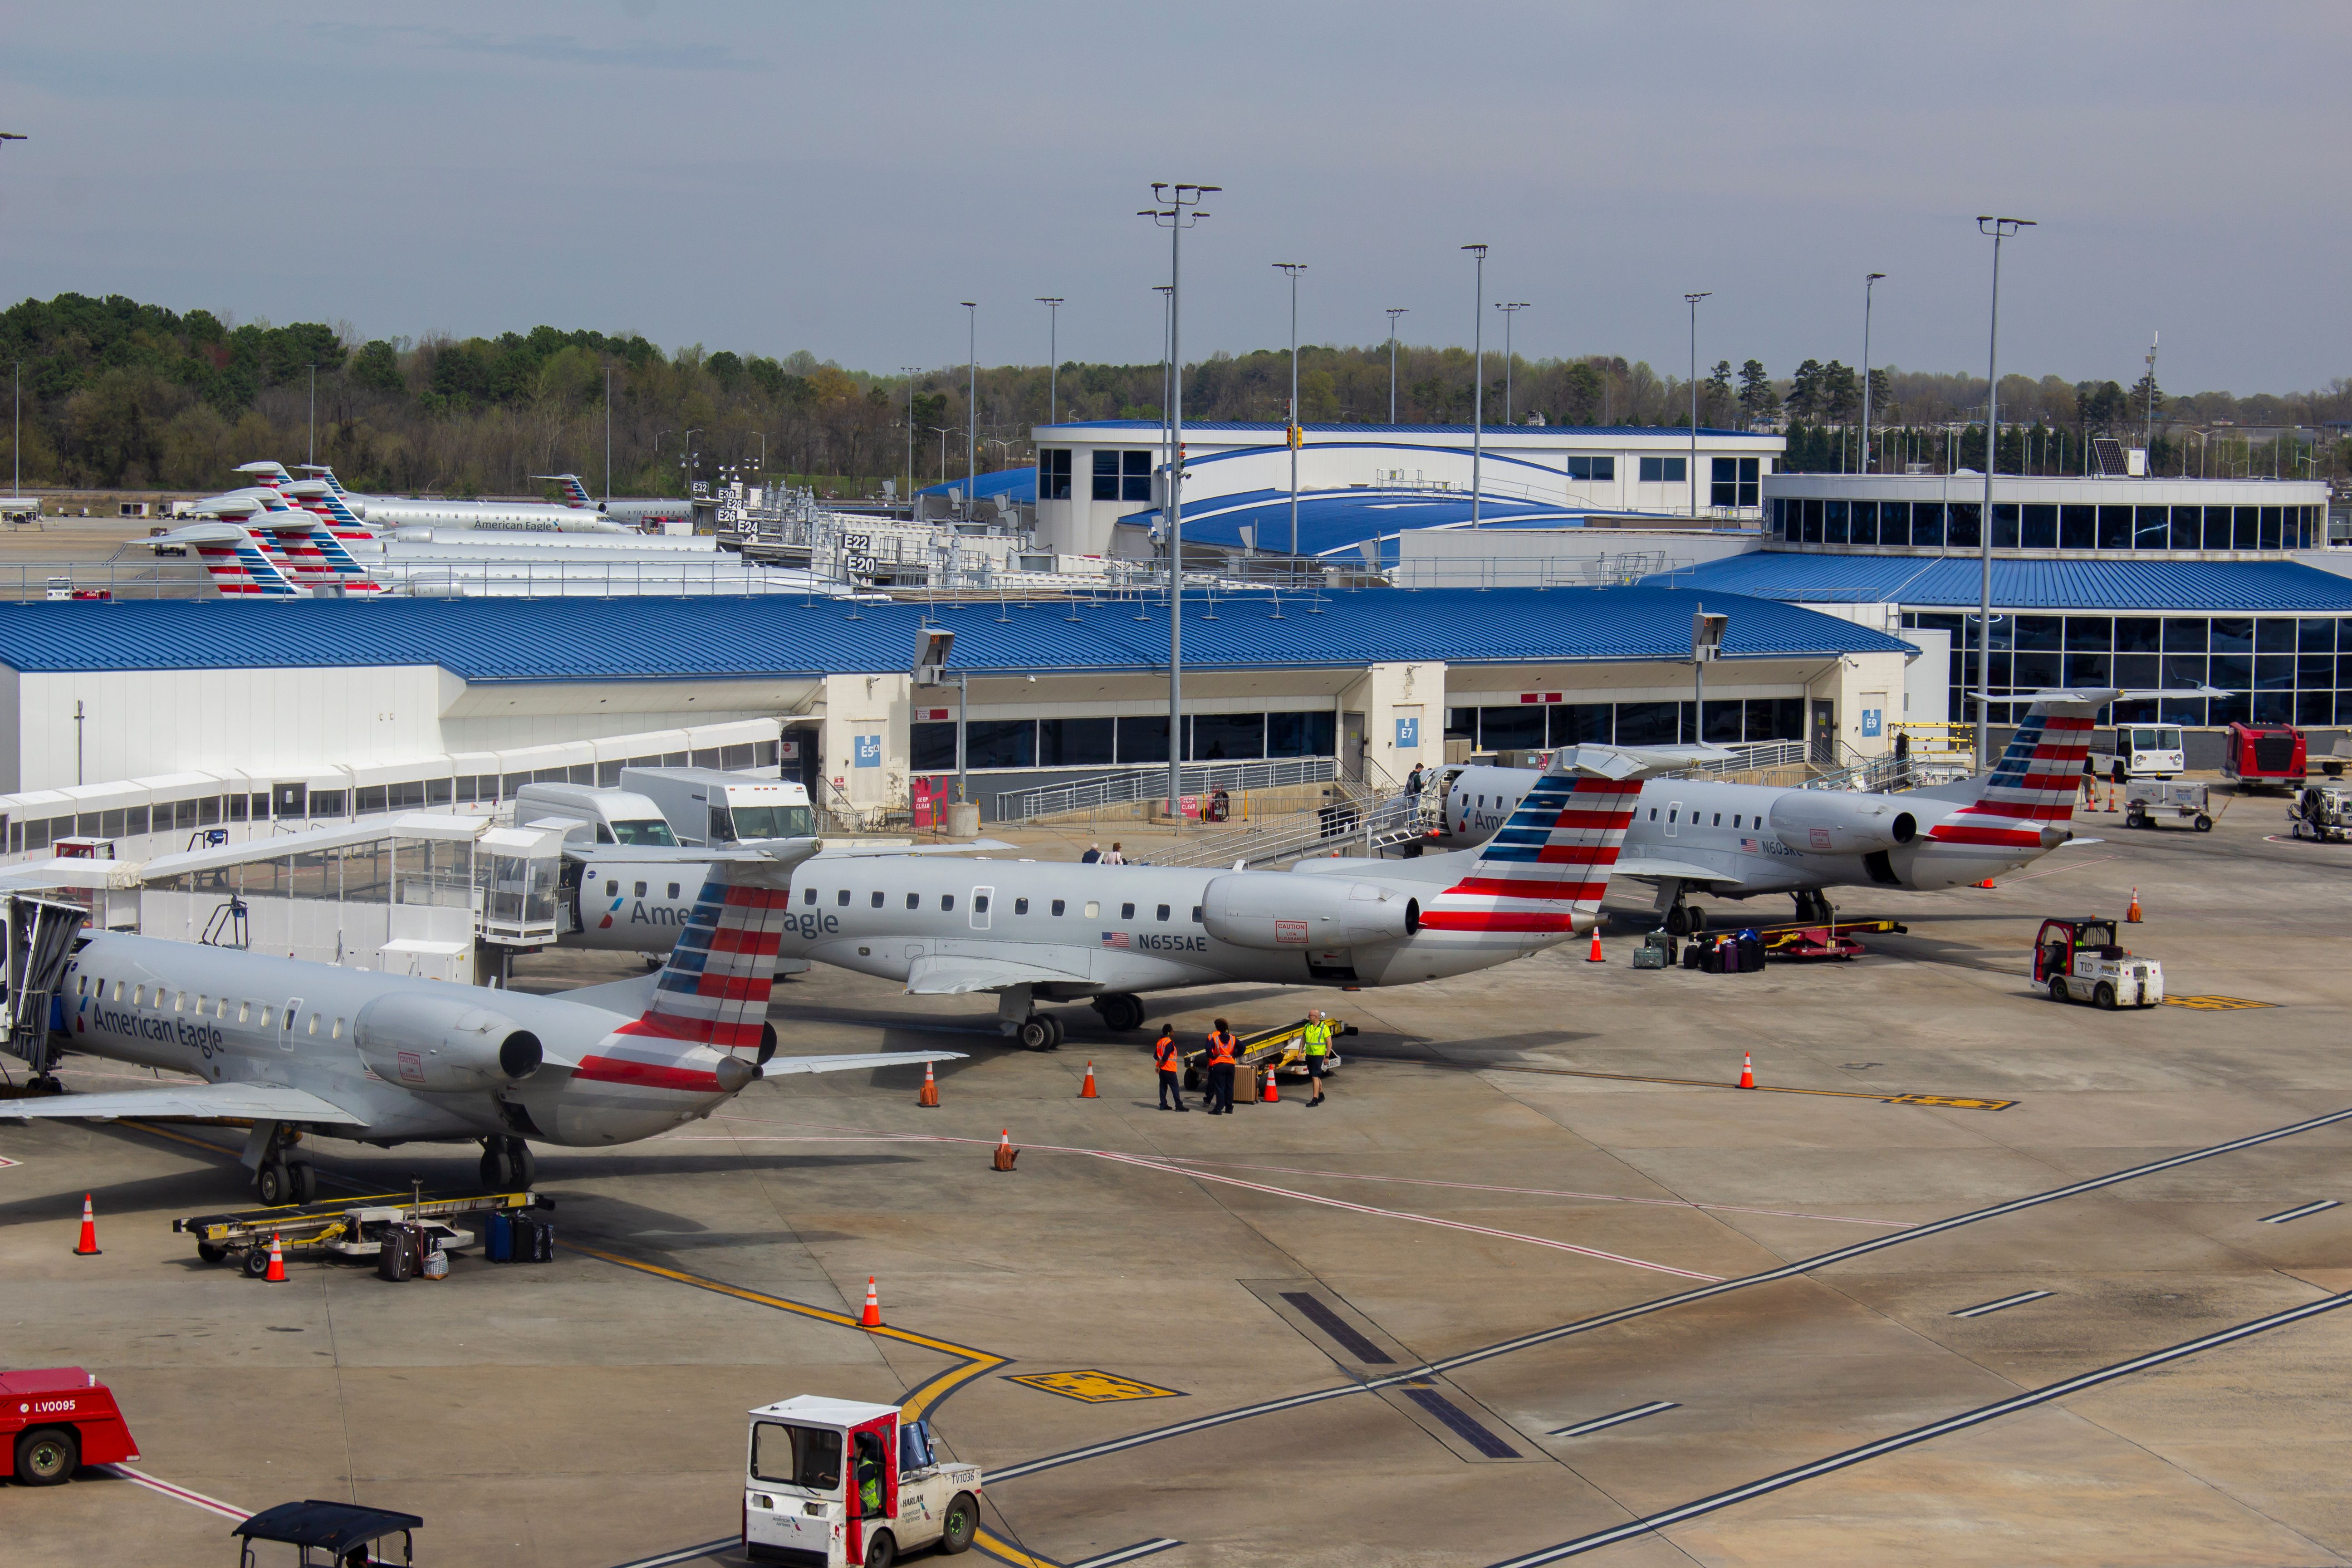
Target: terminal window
{"points": [[1598, 471], [1122, 476], [1664, 471], [1052, 473], [1734, 482]]}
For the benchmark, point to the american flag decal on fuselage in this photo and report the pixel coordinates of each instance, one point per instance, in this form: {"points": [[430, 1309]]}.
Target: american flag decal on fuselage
{"points": [[2033, 786], [1545, 866]]}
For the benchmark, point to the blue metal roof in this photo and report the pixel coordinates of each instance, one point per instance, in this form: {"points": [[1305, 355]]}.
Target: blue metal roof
{"points": [[2235, 587], [1275, 427], [488, 641], [1336, 522], [1017, 484]]}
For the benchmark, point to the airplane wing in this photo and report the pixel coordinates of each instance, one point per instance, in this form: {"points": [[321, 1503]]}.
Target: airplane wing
{"points": [[780, 1066], [953, 976], [258, 1102], [1654, 866]]}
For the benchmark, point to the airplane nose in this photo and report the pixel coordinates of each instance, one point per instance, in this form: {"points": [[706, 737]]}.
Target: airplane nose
{"points": [[733, 1073]]}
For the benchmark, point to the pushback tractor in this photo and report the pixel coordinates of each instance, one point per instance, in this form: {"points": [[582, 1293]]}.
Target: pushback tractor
{"points": [[2078, 961], [830, 1483]]}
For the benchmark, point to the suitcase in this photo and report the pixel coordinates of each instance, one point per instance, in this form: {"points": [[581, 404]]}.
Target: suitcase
{"points": [[1751, 953], [395, 1258], [534, 1239], [498, 1240], [1691, 956], [1649, 958], [1710, 960]]}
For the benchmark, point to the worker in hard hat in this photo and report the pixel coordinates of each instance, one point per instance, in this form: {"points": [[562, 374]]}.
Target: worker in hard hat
{"points": [[1315, 1041]]}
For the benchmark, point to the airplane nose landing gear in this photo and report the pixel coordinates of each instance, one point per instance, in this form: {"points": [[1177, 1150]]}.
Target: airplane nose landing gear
{"points": [[506, 1163]]}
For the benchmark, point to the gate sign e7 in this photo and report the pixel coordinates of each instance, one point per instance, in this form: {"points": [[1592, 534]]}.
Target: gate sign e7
{"points": [[1408, 736], [868, 753]]}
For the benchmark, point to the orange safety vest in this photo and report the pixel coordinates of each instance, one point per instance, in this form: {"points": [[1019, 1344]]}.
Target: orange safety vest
{"points": [[1221, 1050], [1163, 1052]]}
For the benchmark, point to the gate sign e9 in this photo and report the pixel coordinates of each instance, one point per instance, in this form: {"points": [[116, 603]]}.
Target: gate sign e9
{"points": [[1871, 721], [868, 753]]}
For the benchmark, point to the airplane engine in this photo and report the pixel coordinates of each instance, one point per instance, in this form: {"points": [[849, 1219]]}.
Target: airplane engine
{"points": [[443, 1044], [1270, 910], [1825, 822]]}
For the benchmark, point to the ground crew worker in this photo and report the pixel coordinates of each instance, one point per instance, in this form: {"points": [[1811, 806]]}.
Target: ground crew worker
{"points": [[1170, 1063], [1316, 1040], [1224, 1051], [869, 1474]]}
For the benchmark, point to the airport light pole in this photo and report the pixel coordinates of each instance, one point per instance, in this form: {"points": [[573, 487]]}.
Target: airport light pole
{"points": [[1508, 311], [1692, 301], [1175, 208], [2000, 228], [1867, 283], [1166, 400], [908, 370], [687, 462], [1477, 378], [1290, 435], [971, 407], [17, 437], [608, 432], [943, 431], [1052, 303], [314, 412], [1394, 311]]}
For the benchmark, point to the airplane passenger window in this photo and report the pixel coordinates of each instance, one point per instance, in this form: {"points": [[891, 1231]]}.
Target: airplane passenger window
{"points": [[1735, 820], [139, 996], [1094, 909], [980, 903], [201, 1000], [1653, 814], [808, 895], [223, 1012], [947, 900], [244, 1011], [1196, 914], [314, 1023], [265, 1013], [1020, 906], [1057, 906], [336, 1033], [612, 888], [914, 900], [877, 898], [117, 991], [1127, 912], [1163, 911], [673, 892], [641, 891], [81, 984], [1718, 820], [842, 897], [179, 1001]]}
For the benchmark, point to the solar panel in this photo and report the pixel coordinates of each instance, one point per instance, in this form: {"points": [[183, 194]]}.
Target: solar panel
{"points": [[2108, 453]]}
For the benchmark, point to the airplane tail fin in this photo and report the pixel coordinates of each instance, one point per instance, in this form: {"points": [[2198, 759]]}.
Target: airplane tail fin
{"points": [[326, 476], [713, 991], [1544, 872], [2032, 789], [267, 473], [575, 494], [233, 557]]}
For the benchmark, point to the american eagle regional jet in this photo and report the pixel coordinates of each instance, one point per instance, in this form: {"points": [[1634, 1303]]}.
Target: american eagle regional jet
{"points": [[299, 1048]]}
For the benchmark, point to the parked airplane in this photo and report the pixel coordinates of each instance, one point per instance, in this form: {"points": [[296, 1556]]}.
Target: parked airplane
{"points": [[300, 1048], [1735, 841], [1035, 931], [633, 511], [399, 511]]}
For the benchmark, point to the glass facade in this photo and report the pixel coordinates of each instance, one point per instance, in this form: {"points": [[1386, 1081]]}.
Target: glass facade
{"points": [[1940, 524], [1530, 726], [1104, 743], [2271, 669]]}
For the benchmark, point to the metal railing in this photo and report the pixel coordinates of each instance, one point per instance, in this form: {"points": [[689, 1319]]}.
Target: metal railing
{"points": [[1363, 824], [1149, 781]]}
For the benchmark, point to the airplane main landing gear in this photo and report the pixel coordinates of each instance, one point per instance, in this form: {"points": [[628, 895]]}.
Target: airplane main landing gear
{"points": [[1120, 1011], [1684, 921], [283, 1180], [508, 1163], [1040, 1031], [1813, 905]]}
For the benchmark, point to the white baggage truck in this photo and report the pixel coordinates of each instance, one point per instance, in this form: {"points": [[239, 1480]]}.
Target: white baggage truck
{"points": [[832, 1483], [706, 807]]}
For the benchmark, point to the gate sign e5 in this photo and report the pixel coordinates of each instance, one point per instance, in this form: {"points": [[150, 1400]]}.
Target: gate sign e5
{"points": [[1408, 737], [868, 753], [1870, 722]]}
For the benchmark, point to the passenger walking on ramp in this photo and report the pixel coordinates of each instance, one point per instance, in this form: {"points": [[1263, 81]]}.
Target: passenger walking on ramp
{"points": [[1316, 1040], [1170, 1061], [1221, 1057]]}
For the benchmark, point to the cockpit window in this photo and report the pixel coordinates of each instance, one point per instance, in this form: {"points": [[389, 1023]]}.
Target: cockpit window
{"points": [[645, 830]]}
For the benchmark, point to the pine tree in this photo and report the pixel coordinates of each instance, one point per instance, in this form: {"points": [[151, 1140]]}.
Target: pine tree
{"points": [[1757, 399]]}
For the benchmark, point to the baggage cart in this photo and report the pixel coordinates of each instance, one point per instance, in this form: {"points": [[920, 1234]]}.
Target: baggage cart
{"points": [[2148, 802], [352, 1227]]}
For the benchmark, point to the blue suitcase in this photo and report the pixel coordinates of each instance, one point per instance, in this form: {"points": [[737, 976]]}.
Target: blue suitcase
{"points": [[498, 1240]]}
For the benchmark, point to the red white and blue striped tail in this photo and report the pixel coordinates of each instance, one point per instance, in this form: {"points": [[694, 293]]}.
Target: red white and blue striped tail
{"points": [[1543, 874], [2031, 791], [575, 494], [714, 989]]}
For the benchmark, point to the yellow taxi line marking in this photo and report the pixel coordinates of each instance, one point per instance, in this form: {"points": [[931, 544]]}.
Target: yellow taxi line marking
{"points": [[2215, 1004]]}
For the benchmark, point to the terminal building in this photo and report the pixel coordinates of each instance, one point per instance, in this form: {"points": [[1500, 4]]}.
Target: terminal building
{"points": [[1097, 486], [415, 703], [2163, 584]]}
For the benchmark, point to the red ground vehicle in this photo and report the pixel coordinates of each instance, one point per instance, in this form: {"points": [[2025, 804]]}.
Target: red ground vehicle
{"points": [[56, 1418], [2265, 755]]}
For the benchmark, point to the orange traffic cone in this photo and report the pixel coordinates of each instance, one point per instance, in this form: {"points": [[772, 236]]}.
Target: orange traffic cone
{"points": [[2131, 916], [276, 1275], [872, 1317], [1087, 1090], [1271, 1096], [1005, 1152], [88, 1246], [1986, 883], [1747, 1070], [1594, 957], [929, 1096]]}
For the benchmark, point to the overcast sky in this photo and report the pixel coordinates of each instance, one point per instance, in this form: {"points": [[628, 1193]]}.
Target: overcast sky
{"points": [[767, 177]]}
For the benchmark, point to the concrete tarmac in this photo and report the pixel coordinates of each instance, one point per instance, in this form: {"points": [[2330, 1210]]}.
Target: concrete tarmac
{"points": [[1367, 1323]]}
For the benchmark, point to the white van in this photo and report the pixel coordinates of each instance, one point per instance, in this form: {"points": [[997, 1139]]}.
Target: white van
{"points": [[2147, 752], [615, 816], [707, 807]]}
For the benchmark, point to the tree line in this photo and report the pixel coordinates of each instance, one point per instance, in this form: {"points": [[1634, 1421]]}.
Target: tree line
{"points": [[122, 394]]}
